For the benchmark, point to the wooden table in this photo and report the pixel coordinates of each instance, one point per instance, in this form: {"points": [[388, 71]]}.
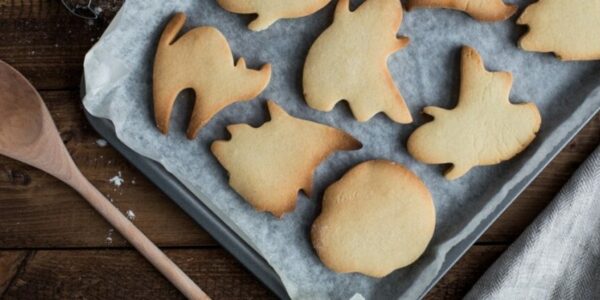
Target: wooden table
{"points": [[54, 246]]}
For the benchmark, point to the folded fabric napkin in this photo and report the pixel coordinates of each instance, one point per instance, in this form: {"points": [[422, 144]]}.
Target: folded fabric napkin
{"points": [[558, 256]]}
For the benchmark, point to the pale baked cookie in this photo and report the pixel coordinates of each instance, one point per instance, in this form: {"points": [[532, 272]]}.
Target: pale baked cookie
{"points": [[483, 129], [269, 165], [349, 62], [379, 217], [202, 60], [570, 29], [482, 10], [269, 11]]}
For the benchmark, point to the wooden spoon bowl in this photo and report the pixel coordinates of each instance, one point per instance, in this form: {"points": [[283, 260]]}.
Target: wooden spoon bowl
{"points": [[21, 114], [28, 134]]}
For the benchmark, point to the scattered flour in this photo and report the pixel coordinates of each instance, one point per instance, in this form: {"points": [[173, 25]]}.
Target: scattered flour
{"points": [[130, 215], [101, 143], [109, 239], [357, 296], [117, 180]]}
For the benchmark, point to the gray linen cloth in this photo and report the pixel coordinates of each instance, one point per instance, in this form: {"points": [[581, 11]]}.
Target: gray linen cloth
{"points": [[558, 256]]}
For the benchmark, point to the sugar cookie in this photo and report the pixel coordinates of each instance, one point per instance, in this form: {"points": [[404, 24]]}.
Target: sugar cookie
{"points": [[379, 217], [269, 11], [483, 129], [202, 60], [270, 164], [482, 10], [570, 29], [349, 62]]}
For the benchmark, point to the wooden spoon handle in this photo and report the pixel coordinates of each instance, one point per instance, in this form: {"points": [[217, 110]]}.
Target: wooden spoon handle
{"points": [[137, 238]]}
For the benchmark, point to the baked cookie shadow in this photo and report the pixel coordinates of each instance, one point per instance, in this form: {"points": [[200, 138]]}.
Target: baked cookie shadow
{"points": [[182, 111]]}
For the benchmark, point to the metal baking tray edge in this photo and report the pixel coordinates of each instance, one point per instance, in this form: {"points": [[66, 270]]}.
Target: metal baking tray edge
{"points": [[251, 259], [194, 207]]}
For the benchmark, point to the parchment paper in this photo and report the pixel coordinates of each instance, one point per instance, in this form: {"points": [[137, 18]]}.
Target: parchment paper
{"points": [[118, 72]]}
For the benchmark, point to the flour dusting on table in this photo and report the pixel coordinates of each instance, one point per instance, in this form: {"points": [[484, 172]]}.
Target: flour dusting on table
{"points": [[117, 180], [130, 215]]}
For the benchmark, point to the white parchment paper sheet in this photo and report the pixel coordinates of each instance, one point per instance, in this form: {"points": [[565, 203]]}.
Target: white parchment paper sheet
{"points": [[118, 72]]}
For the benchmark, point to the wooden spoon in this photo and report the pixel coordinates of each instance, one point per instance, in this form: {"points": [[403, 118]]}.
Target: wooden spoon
{"points": [[28, 134]]}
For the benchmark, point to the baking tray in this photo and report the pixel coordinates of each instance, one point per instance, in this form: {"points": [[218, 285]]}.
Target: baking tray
{"points": [[251, 259]]}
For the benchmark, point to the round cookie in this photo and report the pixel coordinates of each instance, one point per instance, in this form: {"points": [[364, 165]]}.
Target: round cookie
{"points": [[379, 217]]}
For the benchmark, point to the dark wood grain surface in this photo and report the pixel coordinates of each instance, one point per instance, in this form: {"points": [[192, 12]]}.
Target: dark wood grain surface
{"points": [[54, 246]]}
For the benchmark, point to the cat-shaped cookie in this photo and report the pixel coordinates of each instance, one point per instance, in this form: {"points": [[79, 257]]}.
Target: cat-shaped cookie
{"points": [[483, 129], [202, 60], [268, 165], [349, 62], [269, 11]]}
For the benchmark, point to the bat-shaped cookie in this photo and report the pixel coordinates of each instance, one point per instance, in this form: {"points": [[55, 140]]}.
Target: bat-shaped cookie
{"points": [[270, 164], [482, 10], [269, 11]]}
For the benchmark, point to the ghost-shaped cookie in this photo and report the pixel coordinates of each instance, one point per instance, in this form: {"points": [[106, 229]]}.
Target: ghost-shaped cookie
{"points": [[269, 11], [269, 165], [348, 61], [482, 10], [483, 129], [201, 60], [570, 29]]}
